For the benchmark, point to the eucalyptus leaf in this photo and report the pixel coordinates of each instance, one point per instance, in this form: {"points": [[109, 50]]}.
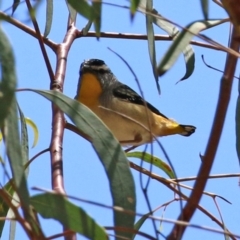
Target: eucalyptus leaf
{"points": [[71, 216], [49, 16], [110, 153]]}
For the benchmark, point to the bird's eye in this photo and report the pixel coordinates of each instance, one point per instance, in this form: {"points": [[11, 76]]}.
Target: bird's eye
{"points": [[101, 70]]}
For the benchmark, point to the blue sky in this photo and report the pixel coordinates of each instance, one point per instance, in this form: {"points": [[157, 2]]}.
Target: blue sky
{"points": [[189, 102]]}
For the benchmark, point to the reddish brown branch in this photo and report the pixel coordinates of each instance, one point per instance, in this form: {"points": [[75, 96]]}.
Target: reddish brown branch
{"points": [[223, 101], [74, 129], [128, 36], [8, 200], [58, 122], [157, 37], [27, 29]]}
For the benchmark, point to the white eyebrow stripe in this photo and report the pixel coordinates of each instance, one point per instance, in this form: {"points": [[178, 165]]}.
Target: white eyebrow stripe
{"points": [[103, 67]]}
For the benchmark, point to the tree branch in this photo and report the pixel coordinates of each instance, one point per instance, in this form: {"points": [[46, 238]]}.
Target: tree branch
{"points": [[223, 101], [114, 35], [58, 122], [28, 30], [157, 37]]}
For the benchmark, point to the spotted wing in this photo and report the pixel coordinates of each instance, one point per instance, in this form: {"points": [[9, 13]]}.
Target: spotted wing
{"points": [[125, 93]]}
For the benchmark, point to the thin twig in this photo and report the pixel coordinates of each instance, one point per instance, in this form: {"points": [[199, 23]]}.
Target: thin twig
{"points": [[209, 177], [34, 157], [74, 129], [27, 29], [167, 184], [216, 69]]}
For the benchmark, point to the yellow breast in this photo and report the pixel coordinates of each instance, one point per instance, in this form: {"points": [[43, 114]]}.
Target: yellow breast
{"points": [[89, 91]]}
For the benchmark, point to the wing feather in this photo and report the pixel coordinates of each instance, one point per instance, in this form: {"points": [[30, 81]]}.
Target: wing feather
{"points": [[125, 93]]}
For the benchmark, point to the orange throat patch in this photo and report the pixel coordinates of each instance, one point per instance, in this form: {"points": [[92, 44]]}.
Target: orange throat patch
{"points": [[90, 90]]}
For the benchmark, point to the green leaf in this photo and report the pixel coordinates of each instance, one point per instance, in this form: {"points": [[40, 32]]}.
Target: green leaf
{"points": [[97, 11], [134, 6], [166, 26], [92, 13], [49, 16], [172, 31], [8, 110], [82, 7], [24, 139], [140, 222], [157, 18], [181, 41], [12, 232], [205, 8], [55, 206], [29, 122], [15, 156], [151, 42], [146, 157], [35, 130], [87, 27], [8, 83], [72, 12], [109, 151], [189, 58]]}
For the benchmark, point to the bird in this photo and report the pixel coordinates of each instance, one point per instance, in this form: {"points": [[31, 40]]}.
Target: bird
{"points": [[132, 120]]}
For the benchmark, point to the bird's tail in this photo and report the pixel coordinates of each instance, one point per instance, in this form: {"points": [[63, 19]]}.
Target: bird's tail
{"points": [[187, 130]]}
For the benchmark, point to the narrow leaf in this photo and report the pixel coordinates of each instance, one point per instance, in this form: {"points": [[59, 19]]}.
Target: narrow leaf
{"points": [[16, 158], [158, 19], [15, 5], [8, 116], [82, 7], [97, 11], [72, 12], [8, 83], [172, 31], [92, 13], [49, 16], [12, 232], [87, 27], [205, 8], [24, 139], [140, 222], [181, 41], [134, 6], [151, 42], [166, 26], [146, 157], [69, 215], [35, 130], [189, 58], [109, 151]]}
